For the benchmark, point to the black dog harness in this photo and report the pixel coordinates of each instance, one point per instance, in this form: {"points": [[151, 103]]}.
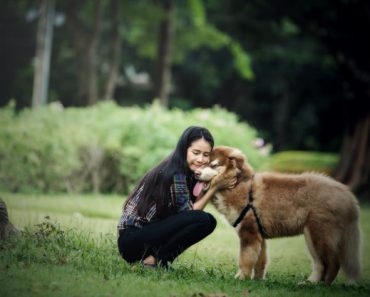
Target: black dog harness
{"points": [[245, 211]]}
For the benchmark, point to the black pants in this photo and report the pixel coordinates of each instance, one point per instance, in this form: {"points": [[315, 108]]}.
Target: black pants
{"points": [[165, 239]]}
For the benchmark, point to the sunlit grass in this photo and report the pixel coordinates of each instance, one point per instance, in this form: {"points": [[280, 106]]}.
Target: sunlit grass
{"points": [[93, 213], [86, 249]]}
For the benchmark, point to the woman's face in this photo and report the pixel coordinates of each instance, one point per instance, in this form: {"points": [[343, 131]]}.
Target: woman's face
{"points": [[198, 154]]}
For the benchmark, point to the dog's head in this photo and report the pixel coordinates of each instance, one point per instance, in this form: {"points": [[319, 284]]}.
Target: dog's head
{"points": [[226, 161]]}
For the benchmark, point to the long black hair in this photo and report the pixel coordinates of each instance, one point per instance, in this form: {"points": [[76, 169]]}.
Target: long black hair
{"points": [[156, 183]]}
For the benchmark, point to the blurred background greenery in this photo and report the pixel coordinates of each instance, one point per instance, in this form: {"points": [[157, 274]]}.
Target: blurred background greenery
{"points": [[288, 82]]}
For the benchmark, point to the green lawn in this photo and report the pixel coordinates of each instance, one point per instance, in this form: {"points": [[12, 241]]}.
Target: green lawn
{"points": [[73, 253]]}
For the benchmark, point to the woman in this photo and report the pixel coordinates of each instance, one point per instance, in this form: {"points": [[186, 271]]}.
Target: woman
{"points": [[162, 217]]}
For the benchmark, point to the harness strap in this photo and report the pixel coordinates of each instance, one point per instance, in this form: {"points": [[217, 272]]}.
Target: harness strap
{"points": [[259, 223], [242, 214], [245, 211], [248, 207]]}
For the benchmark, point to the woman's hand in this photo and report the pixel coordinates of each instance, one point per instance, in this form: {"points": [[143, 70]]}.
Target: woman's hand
{"points": [[221, 182]]}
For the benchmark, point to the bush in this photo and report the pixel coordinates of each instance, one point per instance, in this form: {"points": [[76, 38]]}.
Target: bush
{"points": [[103, 148], [299, 161]]}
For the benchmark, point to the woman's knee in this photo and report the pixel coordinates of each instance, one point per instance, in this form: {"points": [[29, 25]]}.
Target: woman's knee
{"points": [[212, 222], [205, 219], [129, 247]]}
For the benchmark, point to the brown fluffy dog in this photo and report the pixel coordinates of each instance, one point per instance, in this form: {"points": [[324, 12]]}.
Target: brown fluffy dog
{"points": [[324, 210]]}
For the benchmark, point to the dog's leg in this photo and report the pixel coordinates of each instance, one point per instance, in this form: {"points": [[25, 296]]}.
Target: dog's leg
{"points": [[332, 268], [331, 253], [261, 265], [250, 248], [317, 265], [325, 252]]}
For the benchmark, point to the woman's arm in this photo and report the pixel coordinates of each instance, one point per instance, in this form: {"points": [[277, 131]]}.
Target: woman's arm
{"points": [[217, 183], [202, 201]]}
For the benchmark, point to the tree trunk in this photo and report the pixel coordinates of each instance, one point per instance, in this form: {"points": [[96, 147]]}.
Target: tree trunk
{"points": [[354, 166], [163, 73], [6, 227], [281, 117], [43, 53], [86, 44], [116, 52]]}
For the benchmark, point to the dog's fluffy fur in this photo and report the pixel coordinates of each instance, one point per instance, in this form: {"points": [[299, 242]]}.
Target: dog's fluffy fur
{"points": [[324, 210]]}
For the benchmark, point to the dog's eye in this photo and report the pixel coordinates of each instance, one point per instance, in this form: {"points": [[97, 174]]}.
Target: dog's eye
{"points": [[213, 166]]}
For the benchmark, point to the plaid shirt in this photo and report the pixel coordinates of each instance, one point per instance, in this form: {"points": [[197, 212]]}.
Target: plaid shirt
{"points": [[181, 199]]}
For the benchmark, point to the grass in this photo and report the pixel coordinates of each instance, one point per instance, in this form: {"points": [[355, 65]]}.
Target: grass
{"points": [[73, 253], [300, 161]]}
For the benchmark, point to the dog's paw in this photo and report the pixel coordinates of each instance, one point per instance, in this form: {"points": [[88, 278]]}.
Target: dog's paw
{"points": [[306, 282], [351, 283], [241, 275], [313, 279], [259, 277], [238, 274]]}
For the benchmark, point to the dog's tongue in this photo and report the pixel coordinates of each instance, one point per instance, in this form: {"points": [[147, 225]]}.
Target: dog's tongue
{"points": [[198, 188]]}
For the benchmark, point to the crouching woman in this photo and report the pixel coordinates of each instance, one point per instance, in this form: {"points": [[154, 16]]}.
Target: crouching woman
{"points": [[162, 217]]}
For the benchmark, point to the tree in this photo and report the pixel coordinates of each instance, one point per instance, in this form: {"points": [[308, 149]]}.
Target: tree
{"points": [[338, 30], [86, 42], [354, 166], [181, 28], [116, 51], [163, 68], [343, 31], [310, 64], [7, 229], [43, 53]]}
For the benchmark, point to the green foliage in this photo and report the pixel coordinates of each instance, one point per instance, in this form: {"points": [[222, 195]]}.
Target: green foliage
{"points": [[191, 32], [299, 161], [102, 148], [198, 10], [242, 61], [195, 32]]}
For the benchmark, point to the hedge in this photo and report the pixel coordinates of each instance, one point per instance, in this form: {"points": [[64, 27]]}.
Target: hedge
{"points": [[103, 148]]}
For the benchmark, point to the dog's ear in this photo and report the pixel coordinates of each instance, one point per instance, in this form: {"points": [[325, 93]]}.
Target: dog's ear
{"points": [[239, 159], [241, 163]]}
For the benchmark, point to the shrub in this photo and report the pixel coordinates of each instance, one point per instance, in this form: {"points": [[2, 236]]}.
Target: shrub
{"points": [[103, 148]]}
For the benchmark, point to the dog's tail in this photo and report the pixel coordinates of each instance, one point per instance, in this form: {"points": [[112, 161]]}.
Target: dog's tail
{"points": [[351, 253]]}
